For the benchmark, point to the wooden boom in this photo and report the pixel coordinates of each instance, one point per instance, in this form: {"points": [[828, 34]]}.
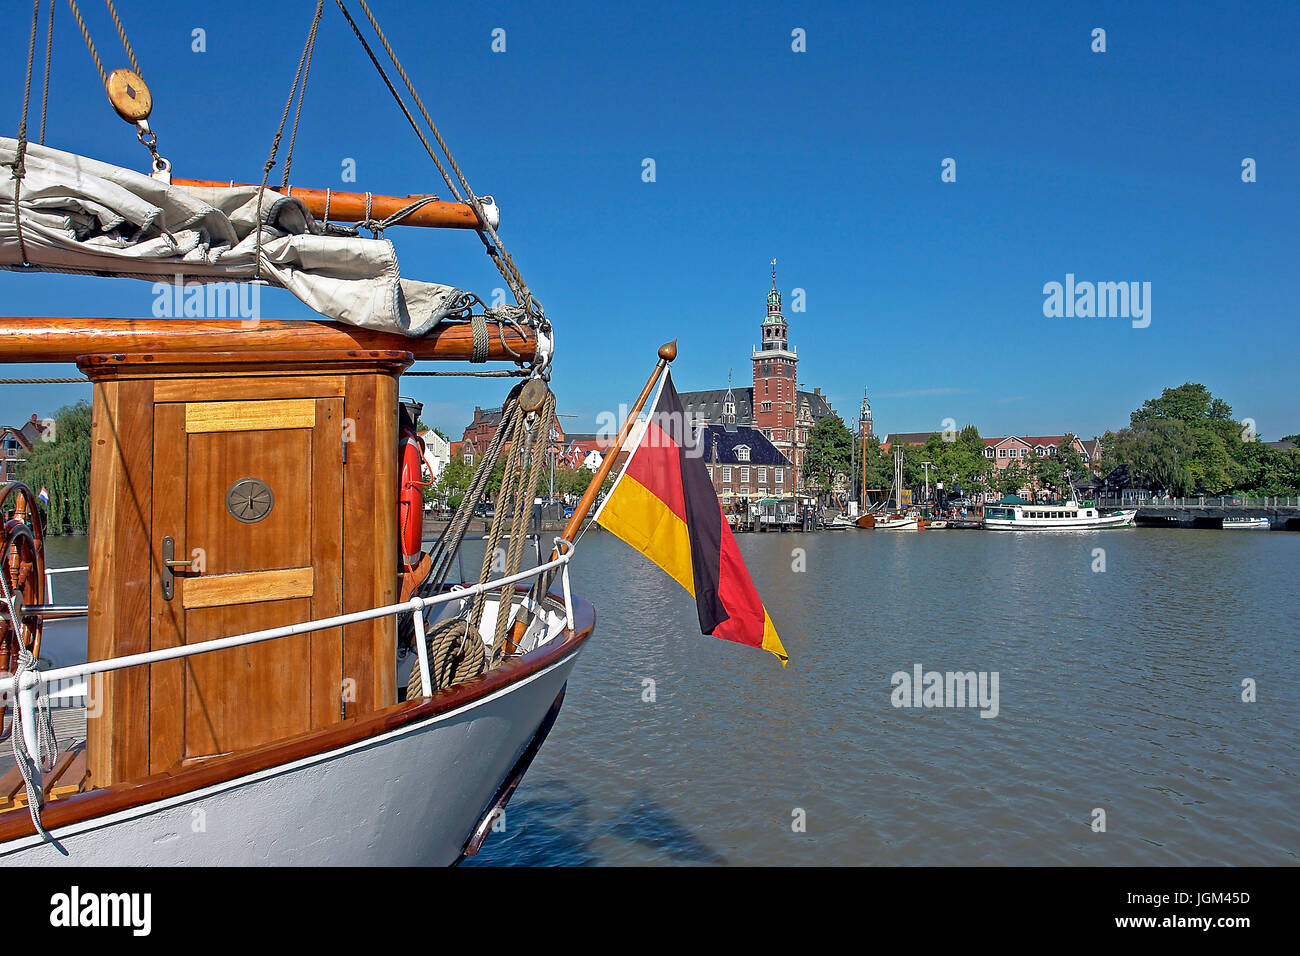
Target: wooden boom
{"points": [[26, 339], [351, 207]]}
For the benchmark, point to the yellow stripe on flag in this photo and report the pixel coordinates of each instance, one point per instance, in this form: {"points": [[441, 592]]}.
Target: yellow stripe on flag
{"points": [[636, 515], [771, 642]]}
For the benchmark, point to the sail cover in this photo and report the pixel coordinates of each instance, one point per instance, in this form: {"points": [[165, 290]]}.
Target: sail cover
{"points": [[81, 215]]}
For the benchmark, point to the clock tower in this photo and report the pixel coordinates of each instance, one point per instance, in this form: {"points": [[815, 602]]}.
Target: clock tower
{"points": [[776, 385]]}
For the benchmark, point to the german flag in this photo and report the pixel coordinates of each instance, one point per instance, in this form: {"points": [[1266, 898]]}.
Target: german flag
{"points": [[664, 506]]}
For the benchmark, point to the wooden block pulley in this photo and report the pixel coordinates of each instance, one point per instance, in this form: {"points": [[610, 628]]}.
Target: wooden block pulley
{"points": [[129, 95]]}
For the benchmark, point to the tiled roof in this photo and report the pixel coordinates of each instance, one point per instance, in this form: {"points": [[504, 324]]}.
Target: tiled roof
{"points": [[728, 438], [907, 438], [708, 404]]}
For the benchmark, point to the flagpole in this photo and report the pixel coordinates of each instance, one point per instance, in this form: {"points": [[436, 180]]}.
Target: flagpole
{"points": [[667, 354]]}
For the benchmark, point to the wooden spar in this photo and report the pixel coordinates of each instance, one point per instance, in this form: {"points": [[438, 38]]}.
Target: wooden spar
{"points": [[667, 353], [24, 339], [351, 207]]}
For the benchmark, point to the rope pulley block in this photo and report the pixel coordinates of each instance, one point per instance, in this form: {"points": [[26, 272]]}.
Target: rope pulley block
{"points": [[130, 96], [533, 396]]}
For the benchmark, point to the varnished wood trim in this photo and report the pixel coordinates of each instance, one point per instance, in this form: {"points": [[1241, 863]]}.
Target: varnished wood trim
{"points": [[98, 803], [249, 416], [229, 389], [29, 339], [218, 590]]}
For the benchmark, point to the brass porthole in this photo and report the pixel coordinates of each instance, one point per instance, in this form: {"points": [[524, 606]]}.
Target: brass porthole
{"points": [[249, 500]]}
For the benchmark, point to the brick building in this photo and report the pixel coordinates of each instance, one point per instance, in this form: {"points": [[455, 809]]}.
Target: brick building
{"points": [[479, 433], [743, 464], [782, 413]]}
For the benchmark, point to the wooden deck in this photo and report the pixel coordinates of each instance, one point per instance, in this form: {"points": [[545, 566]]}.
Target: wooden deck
{"points": [[69, 769]]}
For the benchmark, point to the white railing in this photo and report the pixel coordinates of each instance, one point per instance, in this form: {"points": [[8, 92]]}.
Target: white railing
{"points": [[1202, 501], [49, 580], [26, 688]]}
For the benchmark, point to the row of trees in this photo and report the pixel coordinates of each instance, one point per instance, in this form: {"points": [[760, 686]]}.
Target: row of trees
{"points": [[451, 485], [1188, 442], [957, 459]]}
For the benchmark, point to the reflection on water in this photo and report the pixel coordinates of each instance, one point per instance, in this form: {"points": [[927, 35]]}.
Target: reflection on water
{"points": [[1119, 690]]}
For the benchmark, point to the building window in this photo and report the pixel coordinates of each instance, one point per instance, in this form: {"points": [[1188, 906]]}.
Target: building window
{"points": [[767, 406], [780, 476], [988, 452], [1024, 453], [742, 453], [726, 475], [762, 474], [1002, 453], [744, 476]]}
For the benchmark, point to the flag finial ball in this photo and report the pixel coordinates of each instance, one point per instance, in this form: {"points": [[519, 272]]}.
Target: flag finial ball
{"points": [[668, 351]]}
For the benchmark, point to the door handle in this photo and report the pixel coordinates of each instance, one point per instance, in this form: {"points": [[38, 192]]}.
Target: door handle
{"points": [[169, 564]]}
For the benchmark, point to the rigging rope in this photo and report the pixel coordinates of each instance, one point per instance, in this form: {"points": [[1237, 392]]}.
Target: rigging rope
{"points": [[302, 93], [121, 32], [90, 44], [279, 132], [45, 86], [19, 166], [491, 241]]}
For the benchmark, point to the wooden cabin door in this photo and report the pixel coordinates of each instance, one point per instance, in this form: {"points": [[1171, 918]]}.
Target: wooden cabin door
{"points": [[251, 492]]}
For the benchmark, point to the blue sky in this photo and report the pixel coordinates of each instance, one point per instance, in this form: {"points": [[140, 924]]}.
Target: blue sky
{"points": [[1115, 166]]}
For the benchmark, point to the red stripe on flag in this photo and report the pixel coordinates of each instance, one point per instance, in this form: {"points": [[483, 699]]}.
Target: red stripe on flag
{"points": [[744, 623], [656, 466]]}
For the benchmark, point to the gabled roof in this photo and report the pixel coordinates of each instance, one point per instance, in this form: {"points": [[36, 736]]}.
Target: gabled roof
{"points": [[761, 451], [907, 438], [709, 405], [18, 435]]}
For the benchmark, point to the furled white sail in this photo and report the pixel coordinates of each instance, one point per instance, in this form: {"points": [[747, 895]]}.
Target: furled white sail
{"points": [[82, 215]]}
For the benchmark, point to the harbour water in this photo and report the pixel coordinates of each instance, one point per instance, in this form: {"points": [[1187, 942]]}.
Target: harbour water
{"points": [[1119, 690]]}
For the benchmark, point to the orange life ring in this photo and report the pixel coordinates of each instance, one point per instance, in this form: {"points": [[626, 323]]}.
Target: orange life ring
{"points": [[410, 498]]}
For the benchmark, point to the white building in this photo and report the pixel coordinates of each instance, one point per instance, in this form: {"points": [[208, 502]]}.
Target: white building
{"points": [[437, 453]]}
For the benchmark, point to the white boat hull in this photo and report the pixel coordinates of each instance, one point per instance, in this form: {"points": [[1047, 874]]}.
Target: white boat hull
{"points": [[1245, 524], [411, 796], [1121, 519], [897, 524]]}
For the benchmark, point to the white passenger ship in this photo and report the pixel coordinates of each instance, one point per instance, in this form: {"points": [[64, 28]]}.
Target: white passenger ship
{"points": [[1054, 516]]}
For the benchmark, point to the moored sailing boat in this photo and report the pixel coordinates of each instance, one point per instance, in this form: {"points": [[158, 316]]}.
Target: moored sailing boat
{"points": [[276, 669]]}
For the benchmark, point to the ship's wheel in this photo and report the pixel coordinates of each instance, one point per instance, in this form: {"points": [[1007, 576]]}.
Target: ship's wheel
{"points": [[22, 565]]}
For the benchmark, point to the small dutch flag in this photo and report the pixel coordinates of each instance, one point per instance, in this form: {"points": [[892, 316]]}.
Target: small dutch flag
{"points": [[44, 495]]}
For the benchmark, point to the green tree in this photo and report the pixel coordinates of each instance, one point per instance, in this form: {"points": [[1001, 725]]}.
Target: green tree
{"points": [[1009, 480], [829, 453], [62, 467], [876, 466], [452, 484]]}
